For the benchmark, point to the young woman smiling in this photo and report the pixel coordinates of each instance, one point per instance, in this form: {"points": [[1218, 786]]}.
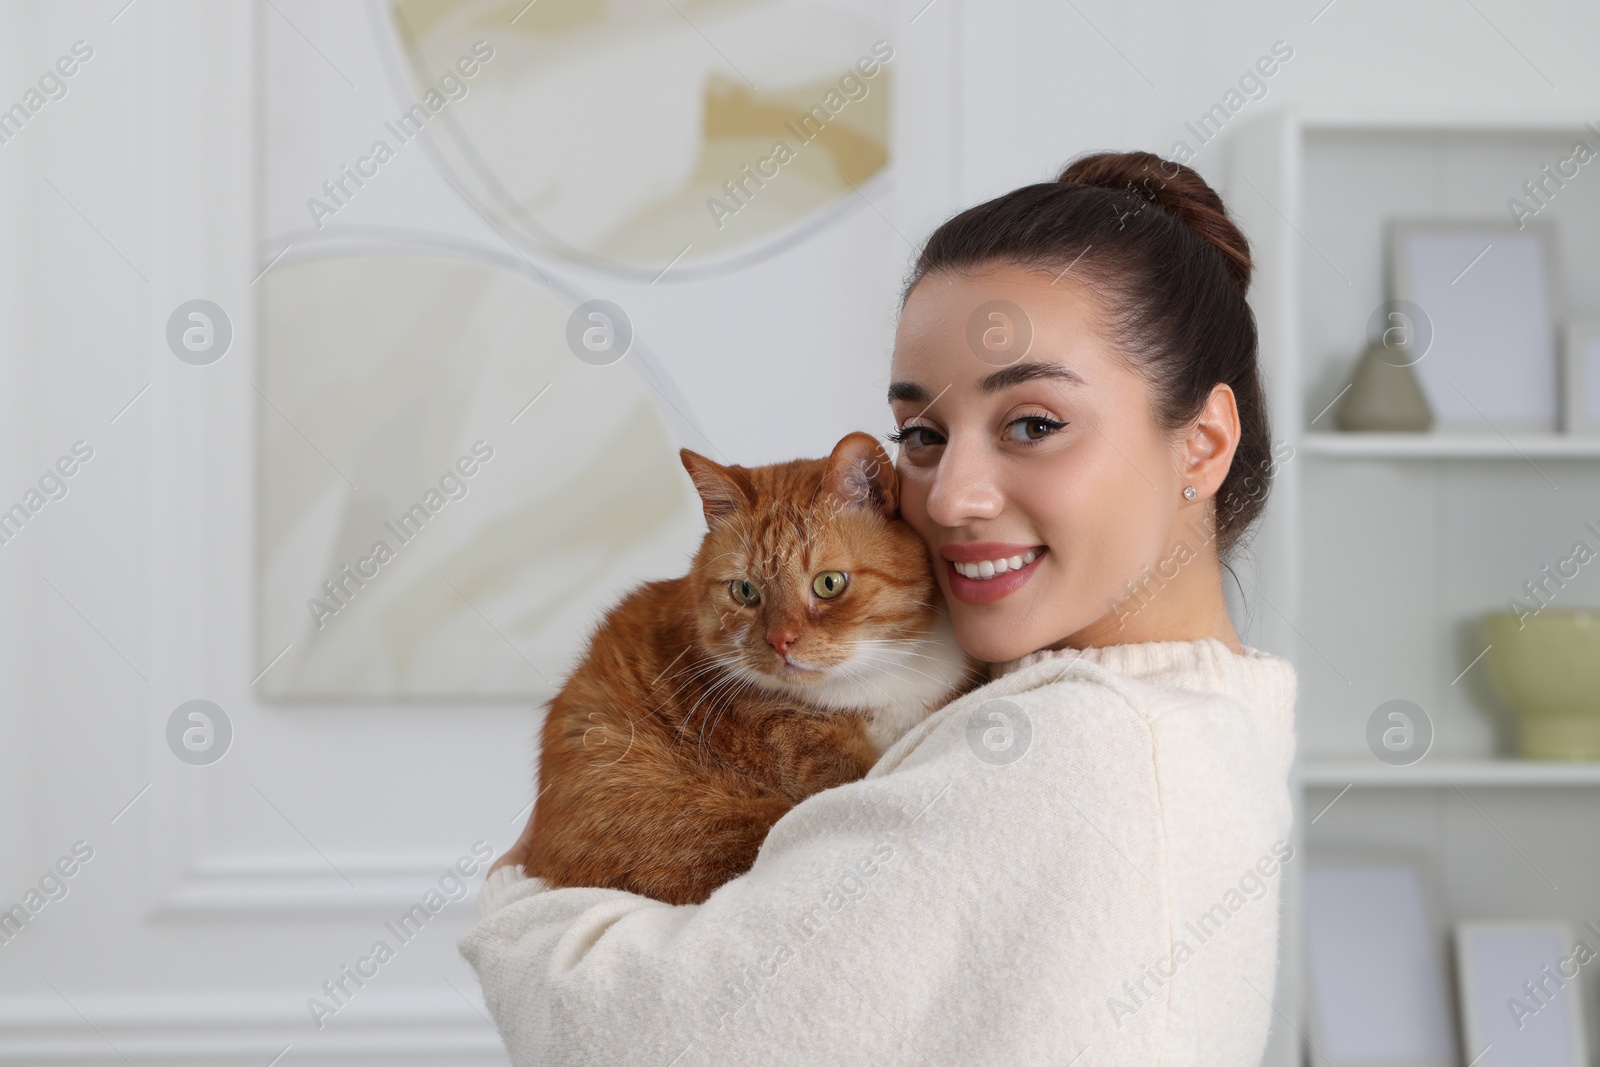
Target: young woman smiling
{"points": [[1078, 859]]}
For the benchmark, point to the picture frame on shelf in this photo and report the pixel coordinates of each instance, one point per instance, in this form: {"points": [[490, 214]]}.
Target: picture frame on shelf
{"points": [[1580, 377], [1485, 293], [1375, 960], [1518, 1006]]}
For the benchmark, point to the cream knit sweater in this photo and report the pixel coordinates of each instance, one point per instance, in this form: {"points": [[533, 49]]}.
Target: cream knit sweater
{"points": [[1081, 857]]}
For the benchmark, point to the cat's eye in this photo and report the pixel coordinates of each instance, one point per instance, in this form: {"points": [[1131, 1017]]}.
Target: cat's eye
{"points": [[744, 591], [829, 584]]}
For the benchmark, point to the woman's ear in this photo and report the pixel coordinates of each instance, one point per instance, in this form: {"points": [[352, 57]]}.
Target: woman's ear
{"points": [[1209, 446], [723, 490], [859, 474]]}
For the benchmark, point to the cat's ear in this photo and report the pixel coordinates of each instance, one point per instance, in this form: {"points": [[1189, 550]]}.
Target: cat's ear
{"points": [[722, 490], [859, 474]]}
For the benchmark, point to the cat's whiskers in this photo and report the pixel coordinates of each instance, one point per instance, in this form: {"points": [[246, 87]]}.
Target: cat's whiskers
{"points": [[895, 657], [698, 676], [856, 670], [738, 686], [873, 648], [906, 647], [709, 665], [708, 724], [904, 652], [867, 681], [722, 692], [696, 670], [719, 669], [706, 727], [892, 669]]}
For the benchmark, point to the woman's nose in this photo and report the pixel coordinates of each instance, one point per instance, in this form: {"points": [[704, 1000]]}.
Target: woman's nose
{"points": [[964, 488]]}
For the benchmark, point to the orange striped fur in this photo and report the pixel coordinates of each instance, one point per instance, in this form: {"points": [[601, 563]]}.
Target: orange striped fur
{"points": [[683, 735]]}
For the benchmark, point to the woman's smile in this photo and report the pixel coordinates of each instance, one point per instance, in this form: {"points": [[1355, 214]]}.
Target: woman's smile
{"points": [[987, 571]]}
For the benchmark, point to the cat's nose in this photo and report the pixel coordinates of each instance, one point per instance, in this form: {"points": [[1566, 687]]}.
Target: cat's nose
{"points": [[781, 640]]}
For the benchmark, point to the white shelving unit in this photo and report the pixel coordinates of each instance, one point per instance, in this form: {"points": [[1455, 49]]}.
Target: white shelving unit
{"points": [[1451, 446], [1340, 773], [1379, 552]]}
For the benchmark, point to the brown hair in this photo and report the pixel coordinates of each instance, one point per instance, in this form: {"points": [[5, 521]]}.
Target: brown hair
{"points": [[1173, 281]]}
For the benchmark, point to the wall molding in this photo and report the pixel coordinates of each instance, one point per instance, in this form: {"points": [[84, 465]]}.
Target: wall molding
{"points": [[265, 884], [412, 1026]]}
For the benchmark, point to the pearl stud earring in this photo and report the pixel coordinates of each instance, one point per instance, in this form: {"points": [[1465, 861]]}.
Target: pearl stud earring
{"points": [[1189, 493]]}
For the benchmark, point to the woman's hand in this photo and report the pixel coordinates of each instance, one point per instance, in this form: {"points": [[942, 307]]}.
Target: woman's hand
{"points": [[517, 853]]}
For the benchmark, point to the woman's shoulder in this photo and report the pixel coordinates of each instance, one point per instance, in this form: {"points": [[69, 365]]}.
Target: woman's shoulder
{"points": [[1025, 720], [1201, 667], [1121, 695], [1161, 679]]}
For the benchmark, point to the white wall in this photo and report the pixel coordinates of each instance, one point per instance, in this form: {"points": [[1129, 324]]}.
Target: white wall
{"points": [[1041, 81], [215, 906]]}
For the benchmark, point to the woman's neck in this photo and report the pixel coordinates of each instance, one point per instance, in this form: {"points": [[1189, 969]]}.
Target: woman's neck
{"points": [[1188, 607]]}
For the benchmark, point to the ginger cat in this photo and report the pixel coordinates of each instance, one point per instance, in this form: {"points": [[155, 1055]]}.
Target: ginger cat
{"points": [[807, 638]]}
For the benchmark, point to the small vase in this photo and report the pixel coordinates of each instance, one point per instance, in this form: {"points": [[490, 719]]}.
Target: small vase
{"points": [[1384, 396]]}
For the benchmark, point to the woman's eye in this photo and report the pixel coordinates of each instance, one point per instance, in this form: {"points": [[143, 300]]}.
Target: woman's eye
{"points": [[829, 584], [744, 591], [915, 437], [1032, 428]]}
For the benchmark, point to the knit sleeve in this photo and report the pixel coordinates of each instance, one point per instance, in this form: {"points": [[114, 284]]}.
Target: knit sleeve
{"points": [[984, 895]]}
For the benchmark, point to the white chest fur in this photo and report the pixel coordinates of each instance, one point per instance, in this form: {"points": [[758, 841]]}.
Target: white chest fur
{"points": [[896, 683]]}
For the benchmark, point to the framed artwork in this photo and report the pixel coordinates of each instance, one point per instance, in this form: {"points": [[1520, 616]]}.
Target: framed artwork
{"points": [[1580, 377], [1483, 294], [1518, 985], [1378, 995], [609, 135], [454, 483], [446, 493]]}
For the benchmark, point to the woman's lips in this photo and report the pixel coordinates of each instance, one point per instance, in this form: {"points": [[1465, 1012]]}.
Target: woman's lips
{"points": [[974, 551], [988, 590]]}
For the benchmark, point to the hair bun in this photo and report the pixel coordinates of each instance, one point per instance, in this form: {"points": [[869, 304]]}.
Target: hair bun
{"points": [[1174, 187]]}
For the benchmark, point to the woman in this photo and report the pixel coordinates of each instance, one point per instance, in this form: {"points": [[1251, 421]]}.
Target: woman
{"points": [[1080, 858]]}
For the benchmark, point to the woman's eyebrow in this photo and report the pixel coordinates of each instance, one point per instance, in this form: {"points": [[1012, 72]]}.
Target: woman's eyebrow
{"points": [[908, 391], [1027, 372], [1015, 374]]}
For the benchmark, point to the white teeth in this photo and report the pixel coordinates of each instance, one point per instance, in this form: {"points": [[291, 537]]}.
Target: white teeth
{"points": [[988, 568]]}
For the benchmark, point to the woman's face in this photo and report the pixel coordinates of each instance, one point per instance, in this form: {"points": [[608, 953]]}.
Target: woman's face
{"points": [[1047, 456]]}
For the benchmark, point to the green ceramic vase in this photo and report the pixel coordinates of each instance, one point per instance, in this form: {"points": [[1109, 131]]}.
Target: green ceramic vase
{"points": [[1547, 668]]}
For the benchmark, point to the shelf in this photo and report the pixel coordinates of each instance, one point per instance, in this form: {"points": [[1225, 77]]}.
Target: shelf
{"points": [[1386, 518], [1384, 118], [1338, 773], [1451, 446]]}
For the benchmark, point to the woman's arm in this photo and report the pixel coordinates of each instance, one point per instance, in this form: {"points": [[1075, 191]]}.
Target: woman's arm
{"points": [[958, 905]]}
